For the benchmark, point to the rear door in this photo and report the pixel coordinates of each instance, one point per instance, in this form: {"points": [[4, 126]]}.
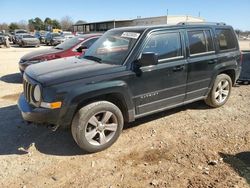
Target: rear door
{"points": [[161, 86], [202, 60]]}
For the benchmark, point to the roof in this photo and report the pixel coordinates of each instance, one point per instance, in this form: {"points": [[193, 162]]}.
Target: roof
{"points": [[179, 25]]}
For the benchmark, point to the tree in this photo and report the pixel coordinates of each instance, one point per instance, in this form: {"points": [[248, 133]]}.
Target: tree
{"points": [[4, 26], [36, 24], [47, 24], [56, 24], [66, 23], [13, 26], [23, 24]]}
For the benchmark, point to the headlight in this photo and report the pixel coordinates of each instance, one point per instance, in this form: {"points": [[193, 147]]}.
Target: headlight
{"points": [[37, 94]]}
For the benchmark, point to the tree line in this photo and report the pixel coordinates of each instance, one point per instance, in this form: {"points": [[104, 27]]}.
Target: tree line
{"points": [[38, 24]]}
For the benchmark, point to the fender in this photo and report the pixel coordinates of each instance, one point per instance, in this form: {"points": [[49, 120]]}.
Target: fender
{"points": [[88, 92], [219, 68]]}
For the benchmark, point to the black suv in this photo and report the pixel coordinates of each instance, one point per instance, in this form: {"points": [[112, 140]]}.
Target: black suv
{"points": [[130, 73]]}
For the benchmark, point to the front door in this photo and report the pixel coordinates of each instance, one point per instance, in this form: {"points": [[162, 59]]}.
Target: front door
{"points": [[161, 86]]}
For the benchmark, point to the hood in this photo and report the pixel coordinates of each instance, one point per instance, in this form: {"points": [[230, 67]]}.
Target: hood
{"points": [[68, 69], [59, 38], [39, 53]]}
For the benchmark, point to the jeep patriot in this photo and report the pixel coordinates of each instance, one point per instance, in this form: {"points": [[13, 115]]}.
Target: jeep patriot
{"points": [[130, 73]]}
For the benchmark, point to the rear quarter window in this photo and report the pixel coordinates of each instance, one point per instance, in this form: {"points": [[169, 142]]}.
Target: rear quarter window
{"points": [[226, 39]]}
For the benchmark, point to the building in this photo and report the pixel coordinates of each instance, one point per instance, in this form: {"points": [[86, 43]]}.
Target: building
{"points": [[106, 25]]}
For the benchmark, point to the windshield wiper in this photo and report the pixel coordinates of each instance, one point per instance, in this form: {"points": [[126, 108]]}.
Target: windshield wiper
{"points": [[58, 48], [90, 57]]}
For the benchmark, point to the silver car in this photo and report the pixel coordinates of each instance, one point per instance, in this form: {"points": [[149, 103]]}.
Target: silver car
{"points": [[28, 40]]}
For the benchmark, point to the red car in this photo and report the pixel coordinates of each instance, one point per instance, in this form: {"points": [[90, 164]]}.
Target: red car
{"points": [[71, 47]]}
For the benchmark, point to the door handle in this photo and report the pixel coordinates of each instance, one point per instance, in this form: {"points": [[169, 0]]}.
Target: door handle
{"points": [[178, 68], [213, 61]]}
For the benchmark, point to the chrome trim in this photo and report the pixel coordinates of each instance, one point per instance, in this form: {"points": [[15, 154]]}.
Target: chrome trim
{"points": [[171, 58], [204, 53]]}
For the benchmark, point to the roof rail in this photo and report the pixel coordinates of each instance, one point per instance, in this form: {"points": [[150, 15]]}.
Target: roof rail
{"points": [[201, 23]]}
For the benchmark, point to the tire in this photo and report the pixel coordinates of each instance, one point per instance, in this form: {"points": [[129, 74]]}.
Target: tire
{"points": [[97, 126], [220, 91]]}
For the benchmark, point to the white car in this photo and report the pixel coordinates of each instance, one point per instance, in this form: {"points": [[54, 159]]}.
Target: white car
{"points": [[67, 35]]}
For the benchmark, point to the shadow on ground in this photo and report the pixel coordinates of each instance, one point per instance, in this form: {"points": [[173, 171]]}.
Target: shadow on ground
{"points": [[240, 163], [16, 136], [15, 78], [200, 105]]}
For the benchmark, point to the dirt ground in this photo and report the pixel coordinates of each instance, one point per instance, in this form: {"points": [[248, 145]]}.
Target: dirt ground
{"points": [[191, 146]]}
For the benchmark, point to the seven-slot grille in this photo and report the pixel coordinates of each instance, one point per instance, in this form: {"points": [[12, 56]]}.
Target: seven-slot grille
{"points": [[27, 90]]}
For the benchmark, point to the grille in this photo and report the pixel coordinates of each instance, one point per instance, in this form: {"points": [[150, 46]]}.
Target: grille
{"points": [[27, 90]]}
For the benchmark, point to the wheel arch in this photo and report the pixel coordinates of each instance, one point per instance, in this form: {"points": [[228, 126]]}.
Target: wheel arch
{"points": [[116, 92]]}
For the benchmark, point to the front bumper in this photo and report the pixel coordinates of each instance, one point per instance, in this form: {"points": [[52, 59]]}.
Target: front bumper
{"points": [[37, 115]]}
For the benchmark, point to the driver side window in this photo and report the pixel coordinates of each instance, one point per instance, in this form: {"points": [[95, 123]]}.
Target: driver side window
{"points": [[89, 43], [165, 46]]}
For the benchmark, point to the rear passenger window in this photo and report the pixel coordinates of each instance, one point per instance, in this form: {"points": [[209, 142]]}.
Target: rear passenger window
{"points": [[200, 42], [226, 39], [167, 45]]}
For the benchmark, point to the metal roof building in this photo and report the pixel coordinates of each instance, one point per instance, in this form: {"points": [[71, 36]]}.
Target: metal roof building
{"points": [[110, 24]]}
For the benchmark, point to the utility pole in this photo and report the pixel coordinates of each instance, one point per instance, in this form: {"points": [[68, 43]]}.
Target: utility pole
{"points": [[167, 16]]}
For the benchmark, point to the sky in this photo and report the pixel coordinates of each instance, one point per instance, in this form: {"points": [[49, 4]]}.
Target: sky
{"points": [[232, 12]]}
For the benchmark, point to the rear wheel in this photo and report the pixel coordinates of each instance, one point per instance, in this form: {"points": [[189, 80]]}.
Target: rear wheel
{"points": [[220, 92], [97, 126]]}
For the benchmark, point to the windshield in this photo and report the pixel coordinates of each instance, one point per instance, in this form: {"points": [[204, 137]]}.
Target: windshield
{"points": [[113, 47], [69, 43], [19, 32], [56, 35], [28, 36]]}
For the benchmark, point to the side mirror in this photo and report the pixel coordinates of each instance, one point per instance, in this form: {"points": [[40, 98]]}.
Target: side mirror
{"points": [[81, 48], [148, 59]]}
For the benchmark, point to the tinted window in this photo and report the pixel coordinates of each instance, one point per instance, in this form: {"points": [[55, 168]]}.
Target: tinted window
{"points": [[200, 42], [28, 36], [197, 42], [69, 43], [226, 39], [167, 45], [89, 42], [209, 41]]}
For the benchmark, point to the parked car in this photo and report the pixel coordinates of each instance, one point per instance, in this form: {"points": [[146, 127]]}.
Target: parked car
{"points": [[2, 39], [67, 35], [54, 39], [17, 34], [28, 40], [130, 73], [72, 47], [245, 73], [40, 36]]}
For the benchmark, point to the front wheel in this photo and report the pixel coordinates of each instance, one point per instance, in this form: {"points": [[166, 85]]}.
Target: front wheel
{"points": [[220, 91], [97, 126]]}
